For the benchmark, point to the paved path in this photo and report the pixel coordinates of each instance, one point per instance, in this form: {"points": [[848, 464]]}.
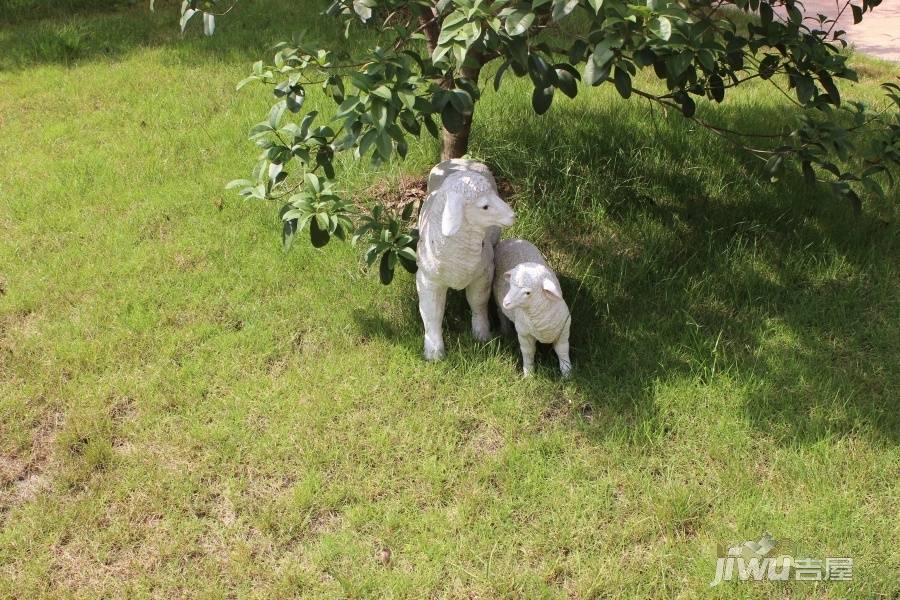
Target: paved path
{"points": [[879, 32]]}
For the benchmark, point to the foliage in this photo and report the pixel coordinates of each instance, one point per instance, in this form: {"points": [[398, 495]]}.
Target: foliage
{"points": [[181, 410], [390, 240], [697, 49]]}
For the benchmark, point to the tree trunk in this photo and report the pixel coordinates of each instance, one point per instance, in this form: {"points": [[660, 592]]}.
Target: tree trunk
{"points": [[431, 27], [453, 145]]}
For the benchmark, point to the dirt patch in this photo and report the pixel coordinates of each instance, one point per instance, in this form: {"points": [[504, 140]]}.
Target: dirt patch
{"points": [[276, 365], [485, 441], [309, 341], [123, 409], [397, 194], [22, 323], [327, 521], [223, 510], [186, 261], [23, 476]]}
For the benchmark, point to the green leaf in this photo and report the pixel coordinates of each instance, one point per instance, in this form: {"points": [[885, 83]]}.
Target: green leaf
{"points": [[766, 14], [828, 83], [430, 126], [499, 75], [407, 253], [408, 99], [347, 106], [518, 22], [677, 64], [768, 65], [410, 123], [593, 74], [539, 70], [275, 114], [245, 81], [874, 187], [288, 230], [603, 52], [367, 140], [565, 81], [775, 166], [382, 91], [453, 21], [313, 181], [384, 145], [688, 106], [317, 235], [452, 120], [717, 88], [294, 102], [259, 130], [238, 183], [806, 88], [385, 271], [809, 175], [186, 16], [596, 4], [362, 9], [409, 265], [541, 99], [661, 28], [563, 8], [323, 220], [623, 82], [462, 101]]}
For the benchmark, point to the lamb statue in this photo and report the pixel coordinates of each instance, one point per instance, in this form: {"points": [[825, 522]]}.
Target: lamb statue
{"points": [[459, 224], [528, 293]]}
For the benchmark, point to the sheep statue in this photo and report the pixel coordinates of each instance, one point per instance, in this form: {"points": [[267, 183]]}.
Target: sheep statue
{"points": [[527, 293], [458, 227]]}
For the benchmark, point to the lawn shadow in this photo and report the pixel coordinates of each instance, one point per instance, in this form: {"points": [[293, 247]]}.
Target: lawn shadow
{"points": [[689, 266], [671, 274], [372, 323], [100, 31]]}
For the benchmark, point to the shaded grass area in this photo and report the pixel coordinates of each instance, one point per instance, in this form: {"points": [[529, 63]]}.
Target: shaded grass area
{"points": [[185, 410]]}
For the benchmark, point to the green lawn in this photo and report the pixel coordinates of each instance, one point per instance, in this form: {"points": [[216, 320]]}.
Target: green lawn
{"points": [[187, 411]]}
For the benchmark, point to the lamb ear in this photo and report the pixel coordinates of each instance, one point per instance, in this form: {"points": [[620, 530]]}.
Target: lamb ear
{"points": [[452, 218], [508, 275], [551, 289]]}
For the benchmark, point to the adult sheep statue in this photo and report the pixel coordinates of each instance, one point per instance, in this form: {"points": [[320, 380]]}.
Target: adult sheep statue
{"points": [[459, 224], [422, 71]]}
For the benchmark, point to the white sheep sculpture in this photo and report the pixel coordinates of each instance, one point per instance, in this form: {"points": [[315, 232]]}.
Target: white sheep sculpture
{"points": [[528, 293], [458, 226]]}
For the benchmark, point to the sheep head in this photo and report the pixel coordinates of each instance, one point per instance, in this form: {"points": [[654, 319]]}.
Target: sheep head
{"points": [[530, 284], [471, 198]]}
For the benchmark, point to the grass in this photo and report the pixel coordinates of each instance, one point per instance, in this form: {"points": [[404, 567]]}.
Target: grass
{"points": [[187, 411]]}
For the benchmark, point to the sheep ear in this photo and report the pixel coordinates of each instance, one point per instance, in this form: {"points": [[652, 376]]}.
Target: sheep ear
{"points": [[508, 275], [551, 289], [452, 218]]}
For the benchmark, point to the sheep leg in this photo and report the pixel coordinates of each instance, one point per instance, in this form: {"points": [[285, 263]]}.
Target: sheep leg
{"points": [[562, 351], [479, 295], [527, 345], [432, 300], [561, 346], [505, 323]]}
